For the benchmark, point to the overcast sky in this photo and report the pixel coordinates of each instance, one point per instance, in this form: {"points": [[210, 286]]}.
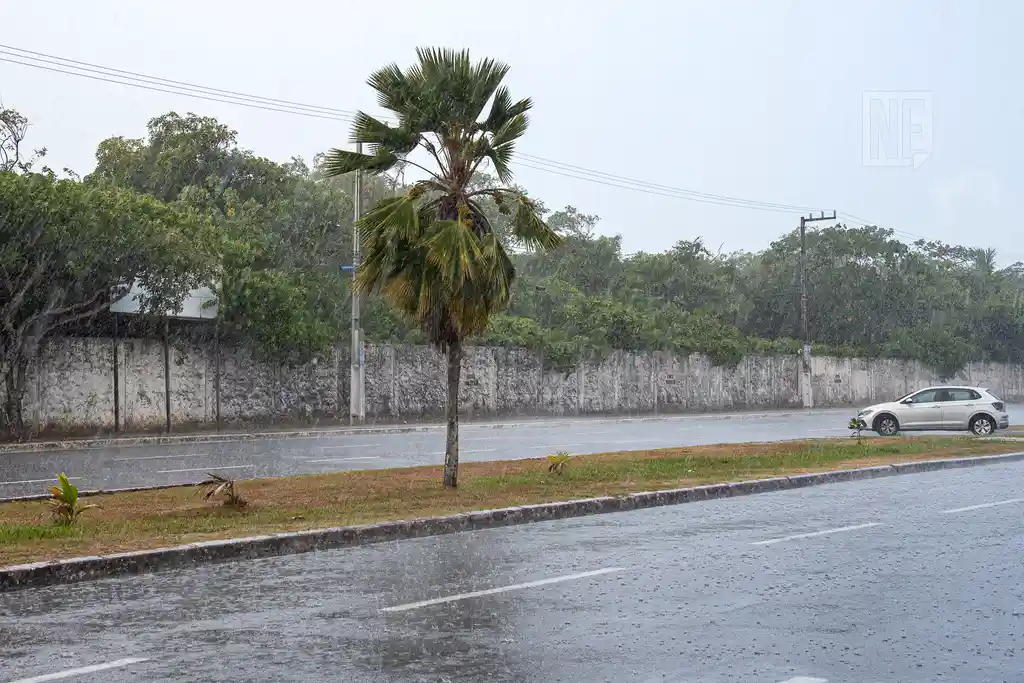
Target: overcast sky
{"points": [[760, 100]]}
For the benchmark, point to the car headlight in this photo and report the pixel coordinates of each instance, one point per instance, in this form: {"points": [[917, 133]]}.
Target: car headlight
{"points": [[865, 412]]}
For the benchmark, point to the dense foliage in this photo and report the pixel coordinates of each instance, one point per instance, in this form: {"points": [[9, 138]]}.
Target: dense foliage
{"points": [[870, 295], [69, 249], [288, 231]]}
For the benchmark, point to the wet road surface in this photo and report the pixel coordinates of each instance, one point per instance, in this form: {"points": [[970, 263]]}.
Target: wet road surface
{"points": [[117, 467], [916, 579], [24, 474]]}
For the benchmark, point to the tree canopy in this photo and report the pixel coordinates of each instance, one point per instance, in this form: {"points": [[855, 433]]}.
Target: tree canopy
{"points": [[287, 228], [68, 250]]}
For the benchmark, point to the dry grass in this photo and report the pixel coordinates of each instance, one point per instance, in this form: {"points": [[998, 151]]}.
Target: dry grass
{"points": [[133, 521]]}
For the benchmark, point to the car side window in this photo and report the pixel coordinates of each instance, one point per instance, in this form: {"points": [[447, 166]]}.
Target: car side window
{"points": [[924, 397], [963, 395]]}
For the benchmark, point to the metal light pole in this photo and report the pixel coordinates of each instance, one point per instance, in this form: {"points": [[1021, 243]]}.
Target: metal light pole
{"points": [[356, 399]]}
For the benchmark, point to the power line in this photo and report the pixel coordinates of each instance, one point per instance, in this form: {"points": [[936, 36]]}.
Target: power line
{"points": [[706, 195], [97, 72], [637, 188], [96, 68], [174, 92], [868, 224]]}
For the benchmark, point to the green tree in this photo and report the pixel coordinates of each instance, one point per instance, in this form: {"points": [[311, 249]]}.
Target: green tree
{"points": [[69, 250], [289, 228], [432, 250], [13, 130]]}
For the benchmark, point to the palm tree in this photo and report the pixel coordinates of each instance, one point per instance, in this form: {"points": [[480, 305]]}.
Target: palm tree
{"points": [[432, 251]]}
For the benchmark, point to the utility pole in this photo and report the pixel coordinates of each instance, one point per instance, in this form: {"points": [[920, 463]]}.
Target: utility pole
{"points": [[357, 405], [805, 388]]}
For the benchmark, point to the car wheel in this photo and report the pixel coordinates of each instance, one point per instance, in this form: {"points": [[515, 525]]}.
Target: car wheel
{"points": [[886, 425], [982, 425]]}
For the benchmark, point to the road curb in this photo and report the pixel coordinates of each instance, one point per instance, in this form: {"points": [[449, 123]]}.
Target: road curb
{"points": [[172, 439], [77, 569]]}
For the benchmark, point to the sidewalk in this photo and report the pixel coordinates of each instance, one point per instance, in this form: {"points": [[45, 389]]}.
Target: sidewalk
{"points": [[271, 433]]}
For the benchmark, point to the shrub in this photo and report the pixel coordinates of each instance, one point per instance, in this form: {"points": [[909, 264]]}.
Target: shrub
{"points": [[65, 501], [217, 485], [558, 462], [857, 425]]}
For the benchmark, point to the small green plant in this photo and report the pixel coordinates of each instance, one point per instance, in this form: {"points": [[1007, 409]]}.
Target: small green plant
{"points": [[558, 461], [65, 501], [217, 485], [857, 426]]}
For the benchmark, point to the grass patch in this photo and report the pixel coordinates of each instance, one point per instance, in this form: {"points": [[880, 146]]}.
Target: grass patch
{"points": [[22, 533], [132, 521]]}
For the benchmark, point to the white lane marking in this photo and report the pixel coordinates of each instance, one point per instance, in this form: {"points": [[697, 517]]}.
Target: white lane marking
{"points": [[806, 679], [479, 450], [812, 534], [211, 468], [162, 457], [510, 436], [503, 589], [982, 506], [350, 445], [359, 457], [83, 670], [35, 481], [618, 441]]}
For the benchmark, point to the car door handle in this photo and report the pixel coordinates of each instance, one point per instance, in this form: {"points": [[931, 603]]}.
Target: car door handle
{"points": [[968, 405]]}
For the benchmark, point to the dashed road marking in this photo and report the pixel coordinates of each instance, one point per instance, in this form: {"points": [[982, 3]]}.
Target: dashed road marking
{"points": [[982, 506], [806, 679], [162, 457], [83, 670], [357, 457], [812, 534], [503, 589], [209, 468]]}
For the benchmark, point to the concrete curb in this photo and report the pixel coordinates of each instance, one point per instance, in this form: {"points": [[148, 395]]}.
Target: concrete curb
{"points": [[172, 439], [90, 568]]}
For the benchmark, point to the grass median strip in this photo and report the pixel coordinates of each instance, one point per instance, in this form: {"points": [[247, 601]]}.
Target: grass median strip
{"points": [[153, 519]]}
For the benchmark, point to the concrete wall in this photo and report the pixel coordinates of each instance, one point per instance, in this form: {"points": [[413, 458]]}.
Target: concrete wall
{"points": [[72, 386]]}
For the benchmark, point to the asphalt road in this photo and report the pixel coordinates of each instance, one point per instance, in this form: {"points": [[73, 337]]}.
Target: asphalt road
{"points": [[916, 579], [126, 466]]}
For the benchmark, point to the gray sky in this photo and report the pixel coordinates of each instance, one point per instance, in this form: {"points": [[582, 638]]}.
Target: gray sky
{"points": [[760, 100]]}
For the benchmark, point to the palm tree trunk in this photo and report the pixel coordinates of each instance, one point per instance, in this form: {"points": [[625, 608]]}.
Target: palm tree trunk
{"points": [[451, 449]]}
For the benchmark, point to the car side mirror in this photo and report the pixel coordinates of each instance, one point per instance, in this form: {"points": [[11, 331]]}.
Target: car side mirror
{"points": [[907, 401]]}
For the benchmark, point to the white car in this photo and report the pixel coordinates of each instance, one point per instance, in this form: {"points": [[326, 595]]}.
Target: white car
{"points": [[946, 408]]}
